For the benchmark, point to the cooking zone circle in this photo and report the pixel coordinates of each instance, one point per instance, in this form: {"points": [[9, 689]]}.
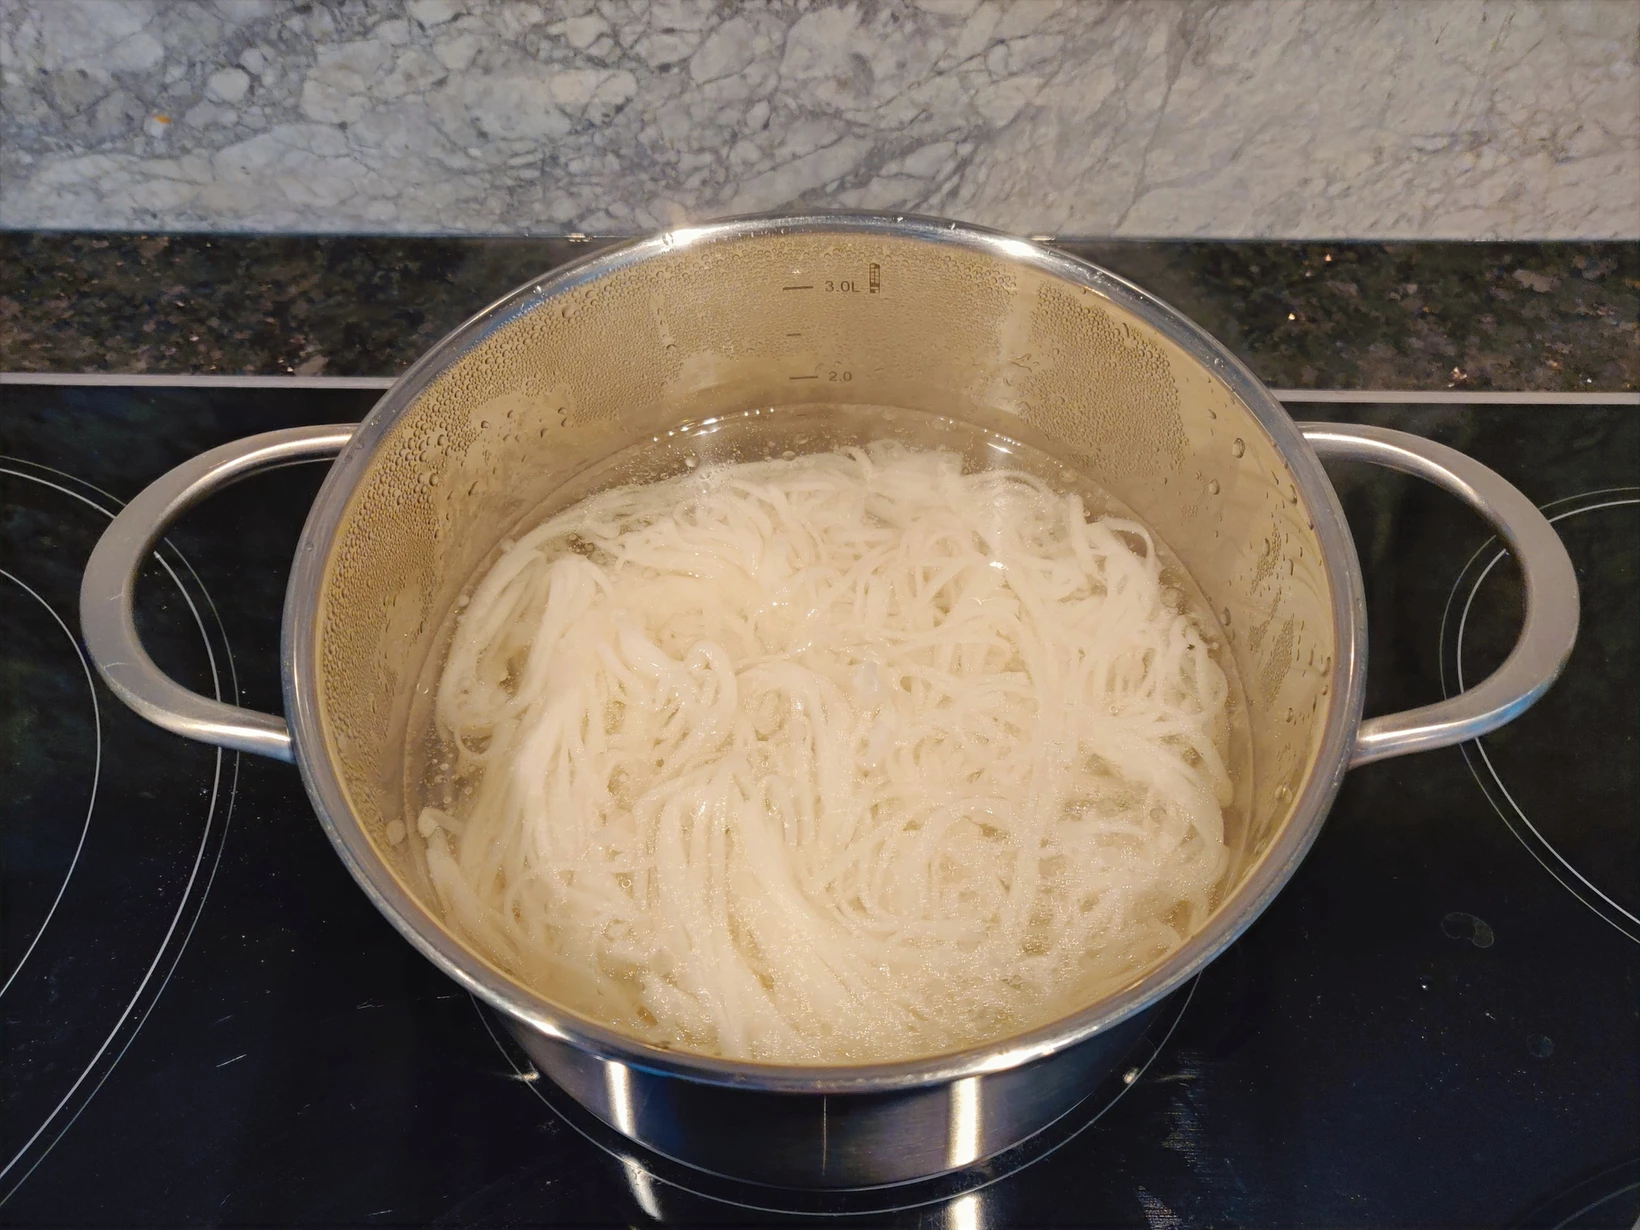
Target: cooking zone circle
{"points": [[95, 842], [1563, 785]]}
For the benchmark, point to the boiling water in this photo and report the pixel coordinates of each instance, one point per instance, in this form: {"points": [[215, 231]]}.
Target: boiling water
{"points": [[439, 779]]}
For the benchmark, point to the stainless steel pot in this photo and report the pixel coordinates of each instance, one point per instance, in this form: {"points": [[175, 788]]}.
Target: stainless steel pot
{"points": [[782, 312]]}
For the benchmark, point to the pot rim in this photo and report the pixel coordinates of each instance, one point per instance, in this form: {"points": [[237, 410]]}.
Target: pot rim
{"points": [[300, 636]]}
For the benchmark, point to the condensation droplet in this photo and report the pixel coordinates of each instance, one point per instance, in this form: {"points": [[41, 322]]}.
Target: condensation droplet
{"points": [[1212, 486], [1238, 448]]}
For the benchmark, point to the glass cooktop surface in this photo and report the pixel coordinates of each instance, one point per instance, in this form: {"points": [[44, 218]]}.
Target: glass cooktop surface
{"points": [[204, 1021]]}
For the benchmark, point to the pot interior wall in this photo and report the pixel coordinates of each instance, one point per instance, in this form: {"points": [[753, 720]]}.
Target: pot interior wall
{"points": [[566, 378]]}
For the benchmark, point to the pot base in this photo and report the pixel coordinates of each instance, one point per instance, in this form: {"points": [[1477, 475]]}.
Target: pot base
{"points": [[838, 1154]]}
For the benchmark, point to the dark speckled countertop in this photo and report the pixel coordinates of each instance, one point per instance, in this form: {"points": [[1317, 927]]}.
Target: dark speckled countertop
{"points": [[1559, 317]]}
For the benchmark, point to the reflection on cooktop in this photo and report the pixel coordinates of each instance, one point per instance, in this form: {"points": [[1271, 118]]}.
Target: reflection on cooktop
{"points": [[1435, 1023]]}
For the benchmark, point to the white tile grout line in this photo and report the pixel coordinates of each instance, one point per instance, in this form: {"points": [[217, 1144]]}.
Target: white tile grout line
{"points": [[1415, 397]]}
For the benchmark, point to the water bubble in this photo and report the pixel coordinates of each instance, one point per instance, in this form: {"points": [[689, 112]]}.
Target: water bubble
{"points": [[1238, 448]]}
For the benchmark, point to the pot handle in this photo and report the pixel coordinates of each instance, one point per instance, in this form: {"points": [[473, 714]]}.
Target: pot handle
{"points": [[1550, 628], [110, 583]]}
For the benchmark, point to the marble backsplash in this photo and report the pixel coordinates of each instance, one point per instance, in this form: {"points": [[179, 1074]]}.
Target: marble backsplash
{"points": [[1246, 118]]}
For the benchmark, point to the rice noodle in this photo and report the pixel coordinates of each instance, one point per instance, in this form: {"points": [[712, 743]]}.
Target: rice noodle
{"points": [[852, 757]]}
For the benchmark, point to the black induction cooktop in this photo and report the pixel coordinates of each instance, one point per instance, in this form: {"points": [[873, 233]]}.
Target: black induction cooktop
{"points": [[203, 1021]]}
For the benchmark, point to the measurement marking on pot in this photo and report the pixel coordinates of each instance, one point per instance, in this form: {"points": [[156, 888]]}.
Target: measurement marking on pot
{"points": [[794, 335], [810, 286], [802, 377]]}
